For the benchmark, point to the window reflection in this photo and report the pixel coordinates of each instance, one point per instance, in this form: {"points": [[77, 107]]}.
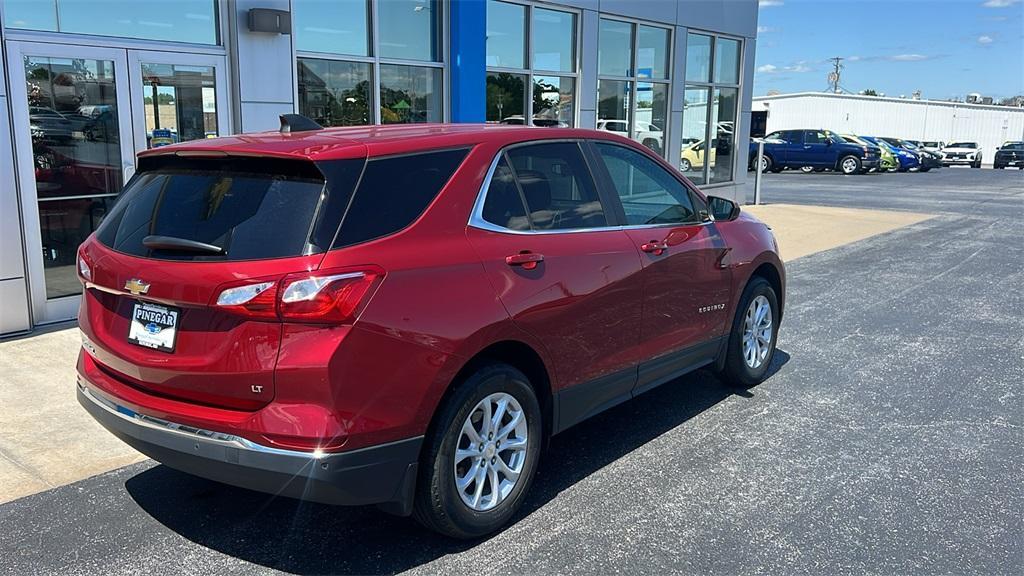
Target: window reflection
{"points": [[695, 149], [334, 93], [506, 98], [409, 30], [333, 26], [651, 115], [180, 103], [76, 151], [554, 39], [183, 21], [615, 48], [506, 35], [723, 110], [698, 58], [553, 101], [613, 106], [409, 94]]}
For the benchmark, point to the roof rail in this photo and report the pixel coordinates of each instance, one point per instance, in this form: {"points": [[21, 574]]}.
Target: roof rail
{"points": [[297, 123]]}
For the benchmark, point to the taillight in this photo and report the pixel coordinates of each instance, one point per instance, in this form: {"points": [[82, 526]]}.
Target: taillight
{"points": [[84, 268], [325, 297], [309, 297], [258, 300]]}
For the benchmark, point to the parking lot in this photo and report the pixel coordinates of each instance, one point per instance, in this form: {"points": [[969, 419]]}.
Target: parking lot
{"points": [[888, 440]]}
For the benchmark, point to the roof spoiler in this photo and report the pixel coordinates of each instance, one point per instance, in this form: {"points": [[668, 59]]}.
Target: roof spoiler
{"points": [[298, 123]]}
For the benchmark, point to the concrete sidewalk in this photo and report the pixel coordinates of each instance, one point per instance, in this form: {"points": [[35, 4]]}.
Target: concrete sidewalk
{"points": [[48, 440]]}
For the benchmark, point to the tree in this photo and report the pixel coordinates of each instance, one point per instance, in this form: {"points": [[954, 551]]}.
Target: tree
{"points": [[869, 92]]}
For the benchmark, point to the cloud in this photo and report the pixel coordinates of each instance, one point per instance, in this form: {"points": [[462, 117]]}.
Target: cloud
{"points": [[770, 3], [853, 58], [999, 3], [984, 40], [907, 57], [766, 29], [798, 68]]}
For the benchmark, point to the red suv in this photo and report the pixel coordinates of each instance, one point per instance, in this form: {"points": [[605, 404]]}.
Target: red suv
{"points": [[402, 315]]}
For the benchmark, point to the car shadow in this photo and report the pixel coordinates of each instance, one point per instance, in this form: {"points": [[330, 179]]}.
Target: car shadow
{"points": [[302, 537]]}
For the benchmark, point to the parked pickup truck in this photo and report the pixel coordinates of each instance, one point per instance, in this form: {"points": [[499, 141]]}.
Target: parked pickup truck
{"points": [[814, 148]]}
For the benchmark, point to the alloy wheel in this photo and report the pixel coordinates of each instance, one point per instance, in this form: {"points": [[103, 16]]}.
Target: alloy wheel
{"points": [[849, 165], [491, 451], [757, 332]]}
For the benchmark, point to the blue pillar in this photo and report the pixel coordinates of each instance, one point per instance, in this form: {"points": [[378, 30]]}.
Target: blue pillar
{"points": [[467, 61]]}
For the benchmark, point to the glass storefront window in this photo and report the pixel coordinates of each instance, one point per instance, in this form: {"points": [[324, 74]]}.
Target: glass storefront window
{"points": [[708, 153], [698, 58], [638, 108], [506, 98], [615, 48], [652, 52], [554, 39], [409, 94], [334, 26], [542, 56], [335, 93], [180, 103], [76, 150], [554, 101], [723, 112], [181, 21], [613, 97], [410, 30], [695, 127], [651, 115], [727, 61], [506, 35]]}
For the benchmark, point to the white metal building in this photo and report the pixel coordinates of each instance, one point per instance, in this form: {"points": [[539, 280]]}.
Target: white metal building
{"points": [[925, 120]]}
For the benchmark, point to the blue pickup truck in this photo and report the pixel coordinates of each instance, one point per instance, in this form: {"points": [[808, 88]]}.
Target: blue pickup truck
{"points": [[814, 148]]}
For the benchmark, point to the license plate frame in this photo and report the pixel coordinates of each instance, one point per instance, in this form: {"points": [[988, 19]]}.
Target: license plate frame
{"points": [[154, 326]]}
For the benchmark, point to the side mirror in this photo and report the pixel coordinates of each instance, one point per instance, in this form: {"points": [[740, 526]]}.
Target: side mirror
{"points": [[723, 210]]}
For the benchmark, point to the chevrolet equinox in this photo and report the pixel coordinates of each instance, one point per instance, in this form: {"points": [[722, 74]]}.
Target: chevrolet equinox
{"points": [[402, 315]]}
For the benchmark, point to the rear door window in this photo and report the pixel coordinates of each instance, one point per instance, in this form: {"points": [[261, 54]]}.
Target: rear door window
{"points": [[246, 208], [556, 183], [504, 205], [394, 191]]}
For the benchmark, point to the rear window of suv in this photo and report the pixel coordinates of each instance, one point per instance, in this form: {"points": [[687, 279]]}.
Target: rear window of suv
{"points": [[248, 208]]}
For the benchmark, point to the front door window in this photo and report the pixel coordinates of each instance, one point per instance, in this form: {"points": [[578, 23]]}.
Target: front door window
{"points": [[76, 151]]}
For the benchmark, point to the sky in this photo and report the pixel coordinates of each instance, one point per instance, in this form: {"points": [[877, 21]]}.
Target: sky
{"points": [[944, 48]]}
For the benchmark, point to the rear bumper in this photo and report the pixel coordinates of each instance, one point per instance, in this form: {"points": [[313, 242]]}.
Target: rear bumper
{"points": [[383, 474]]}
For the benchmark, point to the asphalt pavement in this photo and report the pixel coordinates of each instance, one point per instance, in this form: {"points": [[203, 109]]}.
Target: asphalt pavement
{"points": [[888, 440]]}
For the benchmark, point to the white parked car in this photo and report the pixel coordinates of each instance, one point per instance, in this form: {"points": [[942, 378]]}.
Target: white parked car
{"points": [[646, 133], [932, 146], [965, 153]]}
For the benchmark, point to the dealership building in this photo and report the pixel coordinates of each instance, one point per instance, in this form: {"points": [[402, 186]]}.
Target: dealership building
{"points": [[87, 85]]}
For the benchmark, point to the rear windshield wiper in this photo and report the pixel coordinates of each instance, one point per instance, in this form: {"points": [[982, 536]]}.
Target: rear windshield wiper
{"points": [[180, 244]]}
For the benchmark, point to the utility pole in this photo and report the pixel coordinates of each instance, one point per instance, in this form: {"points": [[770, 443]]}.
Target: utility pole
{"points": [[835, 75]]}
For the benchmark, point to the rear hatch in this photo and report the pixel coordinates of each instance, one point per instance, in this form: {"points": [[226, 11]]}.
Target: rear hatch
{"points": [[184, 230]]}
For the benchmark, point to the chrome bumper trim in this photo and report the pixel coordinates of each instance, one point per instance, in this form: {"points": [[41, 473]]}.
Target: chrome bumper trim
{"points": [[162, 425]]}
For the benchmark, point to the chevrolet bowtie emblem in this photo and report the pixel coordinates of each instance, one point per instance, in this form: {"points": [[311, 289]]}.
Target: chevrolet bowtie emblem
{"points": [[136, 286]]}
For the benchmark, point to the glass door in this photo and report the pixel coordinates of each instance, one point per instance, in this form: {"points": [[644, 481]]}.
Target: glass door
{"points": [[177, 97], [84, 113], [73, 132]]}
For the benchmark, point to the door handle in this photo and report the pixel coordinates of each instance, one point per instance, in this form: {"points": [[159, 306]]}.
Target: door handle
{"points": [[654, 247], [807, 147], [528, 260]]}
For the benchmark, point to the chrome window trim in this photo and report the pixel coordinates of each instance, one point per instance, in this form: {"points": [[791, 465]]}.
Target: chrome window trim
{"points": [[476, 217]]}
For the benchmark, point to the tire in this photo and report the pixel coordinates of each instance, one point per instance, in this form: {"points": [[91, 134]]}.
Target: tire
{"points": [[924, 169], [767, 164], [653, 145], [976, 164], [685, 165], [737, 370], [997, 167], [807, 169], [849, 165], [439, 504]]}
